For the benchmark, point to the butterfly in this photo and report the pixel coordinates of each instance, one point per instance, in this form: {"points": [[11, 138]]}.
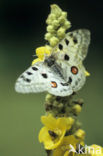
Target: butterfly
{"points": [[62, 72]]}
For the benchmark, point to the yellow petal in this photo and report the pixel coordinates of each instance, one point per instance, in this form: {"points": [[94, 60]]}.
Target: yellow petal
{"points": [[49, 121], [87, 73], [70, 140], [36, 60], [49, 143], [58, 152], [63, 148], [59, 140], [43, 134], [45, 137], [68, 154], [69, 122], [96, 150], [41, 51], [65, 123], [71, 154], [61, 123]]}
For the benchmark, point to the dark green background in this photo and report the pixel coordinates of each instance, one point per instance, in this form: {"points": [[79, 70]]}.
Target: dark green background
{"points": [[22, 29]]}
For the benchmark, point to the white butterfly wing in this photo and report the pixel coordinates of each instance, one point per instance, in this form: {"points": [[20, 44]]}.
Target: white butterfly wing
{"points": [[40, 78], [75, 43], [70, 52], [31, 80]]}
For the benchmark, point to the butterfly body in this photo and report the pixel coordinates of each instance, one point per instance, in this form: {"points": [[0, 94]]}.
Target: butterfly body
{"points": [[62, 72]]}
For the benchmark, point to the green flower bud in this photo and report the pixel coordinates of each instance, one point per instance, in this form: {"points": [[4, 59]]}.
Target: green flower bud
{"points": [[50, 29], [50, 18], [55, 23], [61, 32], [48, 36], [64, 14], [54, 41], [67, 24], [56, 10]]}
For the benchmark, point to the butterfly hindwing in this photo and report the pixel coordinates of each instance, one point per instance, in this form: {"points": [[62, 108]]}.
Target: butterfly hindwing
{"points": [[40, 78]]}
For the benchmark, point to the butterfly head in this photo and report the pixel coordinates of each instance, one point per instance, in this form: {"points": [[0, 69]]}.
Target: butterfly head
{"points": [[50, 61]]}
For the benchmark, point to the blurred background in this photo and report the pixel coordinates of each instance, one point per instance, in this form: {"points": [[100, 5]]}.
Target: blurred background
{"points": [[22, 29]]}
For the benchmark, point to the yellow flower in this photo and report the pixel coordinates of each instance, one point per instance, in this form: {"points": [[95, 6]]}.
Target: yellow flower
{"points": [[41, 52], [65, 146], [54, 130], [95, 150]]}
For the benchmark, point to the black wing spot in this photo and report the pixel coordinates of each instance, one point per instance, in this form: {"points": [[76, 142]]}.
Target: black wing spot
{"points": [[60, 46], [75, 41], [64, 84], [66, 57], [70, 80], [34, 68], [66, 41], [44, 75], [29, 73], [27, 80]]}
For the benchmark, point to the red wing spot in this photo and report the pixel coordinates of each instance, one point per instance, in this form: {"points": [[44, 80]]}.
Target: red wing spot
{"points": [[74, 70], [54, 84]]}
